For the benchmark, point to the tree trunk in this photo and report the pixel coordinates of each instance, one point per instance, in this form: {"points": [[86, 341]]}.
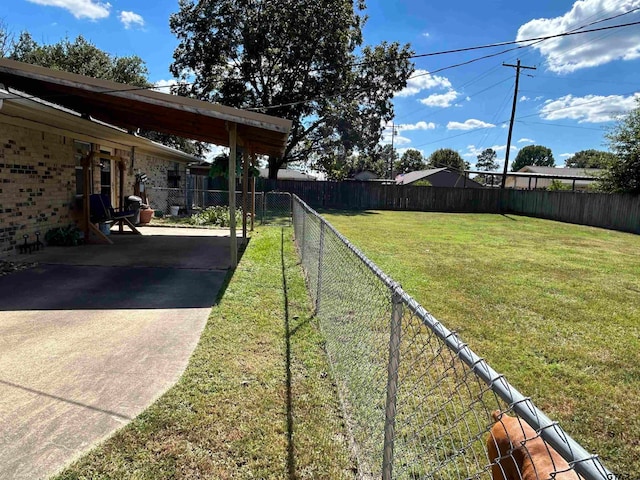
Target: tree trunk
{"points": [[274, 165]]}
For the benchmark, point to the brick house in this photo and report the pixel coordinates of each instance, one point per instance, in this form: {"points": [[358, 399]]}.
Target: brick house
{"points": [[41, 146], [60, 137]]}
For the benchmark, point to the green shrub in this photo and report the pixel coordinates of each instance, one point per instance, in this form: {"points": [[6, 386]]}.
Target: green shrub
{"points": [[218, 216], [556, 185], [68, 236]]}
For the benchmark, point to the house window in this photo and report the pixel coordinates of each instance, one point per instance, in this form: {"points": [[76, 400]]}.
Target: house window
{"points": [[105, 174], [80, 151], [173, 177]]}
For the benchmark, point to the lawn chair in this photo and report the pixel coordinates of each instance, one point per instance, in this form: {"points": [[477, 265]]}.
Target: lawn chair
{"points": [[101, 211]]}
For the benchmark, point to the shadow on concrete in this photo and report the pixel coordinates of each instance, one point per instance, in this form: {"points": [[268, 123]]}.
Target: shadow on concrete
{"points": [[79, 287], [137, 272], [66, 400]]}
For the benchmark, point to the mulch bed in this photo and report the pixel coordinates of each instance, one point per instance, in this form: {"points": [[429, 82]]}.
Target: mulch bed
{"points": [[7, 267]]}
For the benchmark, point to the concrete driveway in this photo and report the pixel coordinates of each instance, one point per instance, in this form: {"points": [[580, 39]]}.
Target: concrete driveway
{"points": [[93, 335]]}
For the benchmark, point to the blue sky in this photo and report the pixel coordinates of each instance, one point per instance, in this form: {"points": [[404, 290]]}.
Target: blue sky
{"points": [[580, 84]]}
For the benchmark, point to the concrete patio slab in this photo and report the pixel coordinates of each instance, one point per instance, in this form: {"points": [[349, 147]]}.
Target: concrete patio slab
{"points": [[93, 335]]}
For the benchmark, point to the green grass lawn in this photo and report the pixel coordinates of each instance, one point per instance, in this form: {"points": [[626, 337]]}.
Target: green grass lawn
{"points": [[255, 401], [553, 306]]}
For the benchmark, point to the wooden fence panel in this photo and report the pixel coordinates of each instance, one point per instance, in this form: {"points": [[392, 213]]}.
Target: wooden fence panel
{"points": [[617, 212]]}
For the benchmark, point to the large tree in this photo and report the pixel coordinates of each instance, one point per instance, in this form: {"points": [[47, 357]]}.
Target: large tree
{"points": [[623, 174], [83, 57], [590, 159], [535, 155], [6, 39], [411, 161], [487, 160], [302, 60], [446, 157]]}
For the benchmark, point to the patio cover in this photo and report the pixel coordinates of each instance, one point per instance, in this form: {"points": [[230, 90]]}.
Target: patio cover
{"points": [[132, 108]]}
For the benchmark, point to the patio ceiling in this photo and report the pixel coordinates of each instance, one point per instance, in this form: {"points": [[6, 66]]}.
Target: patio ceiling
{"points": [[124, 106]]}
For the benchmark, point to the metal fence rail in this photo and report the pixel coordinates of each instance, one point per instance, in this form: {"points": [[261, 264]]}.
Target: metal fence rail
{"points": [[270, 208], [418, 402]]}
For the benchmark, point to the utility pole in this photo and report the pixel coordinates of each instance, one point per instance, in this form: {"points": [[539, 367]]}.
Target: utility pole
{"points": [[393, 133], [513, 116]]}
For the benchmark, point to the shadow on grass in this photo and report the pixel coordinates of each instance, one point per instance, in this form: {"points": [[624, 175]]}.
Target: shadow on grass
{"points": [[346, 213], [291, 461], [509, 217]]}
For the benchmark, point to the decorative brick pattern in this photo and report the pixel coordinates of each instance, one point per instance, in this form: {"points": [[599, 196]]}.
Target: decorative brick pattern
{"points": [[38, 181]]}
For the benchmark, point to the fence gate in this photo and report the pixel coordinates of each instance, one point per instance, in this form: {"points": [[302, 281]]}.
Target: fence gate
{"points": [[276, 208]]}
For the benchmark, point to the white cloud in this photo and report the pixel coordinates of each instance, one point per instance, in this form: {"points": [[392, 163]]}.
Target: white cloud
{"points": [[440, 99], [539, 97], [397, 139], [590, 108], [416, 126], [524, 98], [131, 19], [400, 140], [473, 152], [423, 80], [426, 34], [470, 124], [566, 155], [526, 140], [214, 151], [568, 54], [90, 9], [164, 85]]}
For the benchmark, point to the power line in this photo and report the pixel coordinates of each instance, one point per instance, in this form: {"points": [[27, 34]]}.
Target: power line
{"points": [[558, 125], [444, 52], [424, 55]]}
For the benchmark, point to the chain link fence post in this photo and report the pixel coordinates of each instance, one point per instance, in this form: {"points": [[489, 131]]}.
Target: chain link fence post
{"points": [[304, 239], [392, 385], [320, 254]]}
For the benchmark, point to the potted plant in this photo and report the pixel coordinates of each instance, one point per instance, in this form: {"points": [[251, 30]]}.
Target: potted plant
{"points": [[146, 214]]}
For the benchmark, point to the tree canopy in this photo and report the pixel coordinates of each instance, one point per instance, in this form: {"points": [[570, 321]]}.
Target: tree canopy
{"points": [[339, 167], [84, 58], [623, 174], [446, 157], [304, 61], [590, 159], [487, 160], [535, 155], [411, 161]]}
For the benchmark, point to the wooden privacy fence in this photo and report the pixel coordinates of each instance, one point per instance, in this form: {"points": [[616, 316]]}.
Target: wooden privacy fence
{"points": [[612, 211]]}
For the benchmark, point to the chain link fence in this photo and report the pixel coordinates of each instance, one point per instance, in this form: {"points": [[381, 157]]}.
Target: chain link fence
{"points": [[418, 402], [271, 208]]}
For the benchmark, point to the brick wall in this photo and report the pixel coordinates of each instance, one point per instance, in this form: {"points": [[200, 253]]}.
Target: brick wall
{"points": [[38, 181]]}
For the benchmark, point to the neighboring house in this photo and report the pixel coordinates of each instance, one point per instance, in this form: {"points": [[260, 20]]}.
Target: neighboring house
{"points": [[288, 174], [41, 176], [540, 178], [365, 176], [438, 177]]}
